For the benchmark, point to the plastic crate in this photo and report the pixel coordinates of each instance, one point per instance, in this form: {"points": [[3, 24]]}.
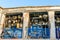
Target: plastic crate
{"points": [[35, 31], [58, 33], [46, 32], [18, 33]]}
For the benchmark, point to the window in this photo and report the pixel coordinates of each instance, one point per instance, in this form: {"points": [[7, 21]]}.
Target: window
{"points": [[13, 26], [57, 24], [38, 25]]}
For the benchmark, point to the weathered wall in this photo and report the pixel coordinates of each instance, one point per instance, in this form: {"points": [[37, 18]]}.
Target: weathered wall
{"points": [[25, 10]]}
